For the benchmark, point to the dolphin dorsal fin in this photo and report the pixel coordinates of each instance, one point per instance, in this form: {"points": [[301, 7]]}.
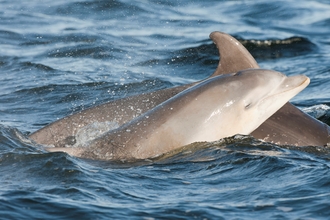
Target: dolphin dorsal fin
{"points": [[233, 55]]}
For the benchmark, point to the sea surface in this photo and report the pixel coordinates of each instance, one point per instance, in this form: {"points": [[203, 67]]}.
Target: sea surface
{"points": [[58, 57]]}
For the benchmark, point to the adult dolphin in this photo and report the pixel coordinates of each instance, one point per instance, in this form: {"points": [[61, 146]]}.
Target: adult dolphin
{"points": [[219, 107], [234, 57], [287, 126]]}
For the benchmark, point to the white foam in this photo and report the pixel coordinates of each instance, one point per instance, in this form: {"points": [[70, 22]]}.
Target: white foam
{"points": [[317, 111]]}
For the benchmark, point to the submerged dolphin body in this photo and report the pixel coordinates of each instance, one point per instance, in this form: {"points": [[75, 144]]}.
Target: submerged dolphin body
{"points": [[219, 107], [289, 125]]}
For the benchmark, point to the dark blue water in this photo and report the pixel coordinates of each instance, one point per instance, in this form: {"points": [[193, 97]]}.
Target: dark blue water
{"points": [[58, 57]]}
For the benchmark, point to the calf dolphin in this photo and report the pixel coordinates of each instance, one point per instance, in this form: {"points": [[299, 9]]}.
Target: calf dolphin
{"points": [[219, 107], [289, 125]]}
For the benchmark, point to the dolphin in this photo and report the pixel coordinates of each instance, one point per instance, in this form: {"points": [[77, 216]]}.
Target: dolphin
{"points": [[288, 126], [218, 107], [234, 57]]}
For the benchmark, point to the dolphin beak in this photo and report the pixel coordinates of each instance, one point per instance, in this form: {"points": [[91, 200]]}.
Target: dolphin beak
{"points": [[292, 83], [287, 89]]}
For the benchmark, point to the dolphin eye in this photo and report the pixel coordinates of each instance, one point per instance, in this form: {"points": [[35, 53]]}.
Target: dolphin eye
{"points": [[247, 106]]}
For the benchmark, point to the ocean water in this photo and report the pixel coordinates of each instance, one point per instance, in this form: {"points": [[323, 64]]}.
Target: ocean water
{"points": [[58, 57]]}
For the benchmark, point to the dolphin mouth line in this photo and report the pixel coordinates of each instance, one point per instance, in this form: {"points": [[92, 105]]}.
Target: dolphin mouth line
{"points": [[303, 84]]}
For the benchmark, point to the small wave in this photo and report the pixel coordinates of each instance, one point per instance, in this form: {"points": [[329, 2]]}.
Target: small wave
{"points": [[323, 23], [207, 53], [10, 37], [321, 112], [96, 52], [13, 141], [318, 111], [43, 39], [276, 10], [276, 48], [15, 63], [210, 151], [184, 64], [37, 66], [94, 8]]}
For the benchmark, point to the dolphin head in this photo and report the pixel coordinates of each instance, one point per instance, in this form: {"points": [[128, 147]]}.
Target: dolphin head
{"points": [[239, 103], [261, 94]]}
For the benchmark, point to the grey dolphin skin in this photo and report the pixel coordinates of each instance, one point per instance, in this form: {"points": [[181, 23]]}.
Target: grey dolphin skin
{"points": [[219, 107], [289, 125]]}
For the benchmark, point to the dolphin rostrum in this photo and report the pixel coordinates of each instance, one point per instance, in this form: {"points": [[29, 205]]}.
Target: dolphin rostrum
{"points": [[218, 107], [289, 125]]}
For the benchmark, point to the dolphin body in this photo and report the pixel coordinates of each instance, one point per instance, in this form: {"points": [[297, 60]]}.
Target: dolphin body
{"points": [[288, 125], [218, 107]]}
